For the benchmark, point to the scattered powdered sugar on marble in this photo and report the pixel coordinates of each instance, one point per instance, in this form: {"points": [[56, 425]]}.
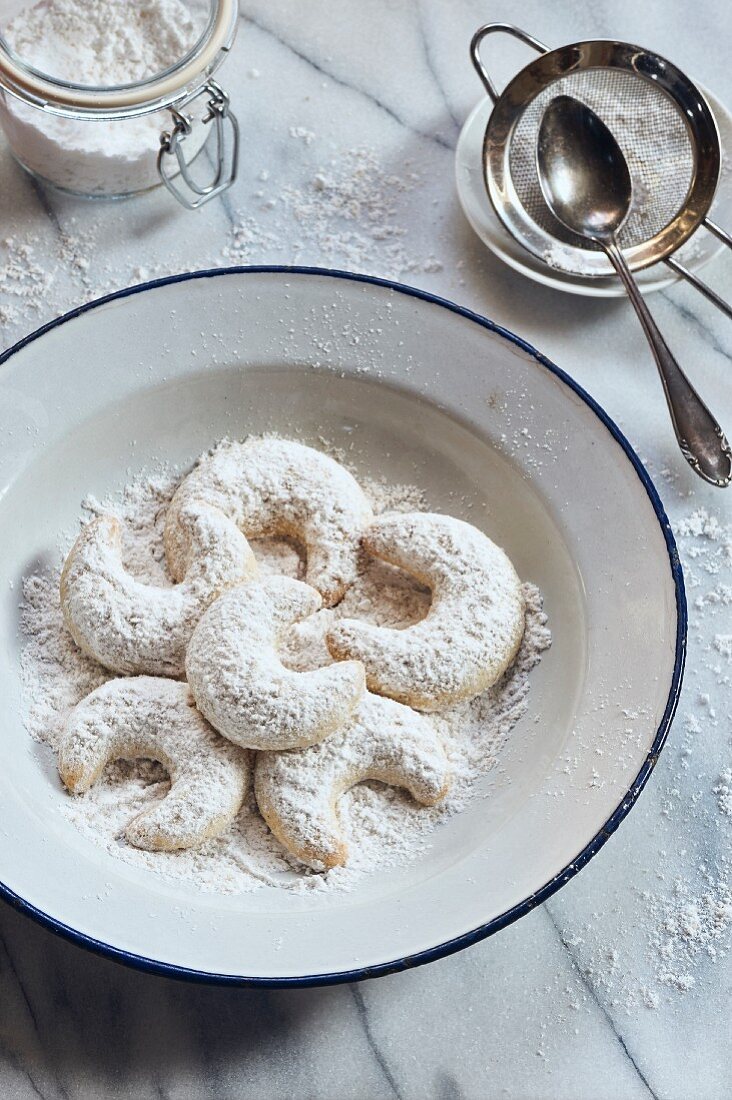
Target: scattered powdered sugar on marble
{"points": [[350, 208], [690, 923], [693, 918], [382, 825], [672, 924], [24, 283], [723, 791], [347, 209]]}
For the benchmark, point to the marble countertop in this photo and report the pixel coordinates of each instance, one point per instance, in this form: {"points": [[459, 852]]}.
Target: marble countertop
{"points": [[620, 985]]}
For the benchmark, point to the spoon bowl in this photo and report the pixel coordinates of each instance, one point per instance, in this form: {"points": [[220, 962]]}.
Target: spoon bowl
{"points": [[583, 174]]}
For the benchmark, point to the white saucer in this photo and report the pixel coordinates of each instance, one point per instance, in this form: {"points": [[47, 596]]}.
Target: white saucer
{"points": [[479, 211]]}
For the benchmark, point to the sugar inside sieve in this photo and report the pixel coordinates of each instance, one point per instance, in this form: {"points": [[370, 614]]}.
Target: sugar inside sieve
{"points": [[649, 129], [661, 121]]}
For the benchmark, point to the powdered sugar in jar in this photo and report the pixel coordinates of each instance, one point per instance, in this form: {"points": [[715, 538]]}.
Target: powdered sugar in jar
{"points": [[111, 97]]}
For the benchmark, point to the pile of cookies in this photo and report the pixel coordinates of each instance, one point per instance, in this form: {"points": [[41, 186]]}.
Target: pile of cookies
{"points": [[203, 688]]}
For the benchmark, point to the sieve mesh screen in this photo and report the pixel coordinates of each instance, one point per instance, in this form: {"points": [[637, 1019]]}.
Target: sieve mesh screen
{"points": [[648, 127]]}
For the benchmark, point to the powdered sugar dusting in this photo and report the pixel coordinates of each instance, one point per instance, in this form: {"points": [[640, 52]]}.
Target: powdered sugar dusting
{"points": [[297, 791], [311, 221], [475, 622], [347, 210], [240, 683], [152, 717], [674, 922], [131, 627], [277, 487], [383, 826]]}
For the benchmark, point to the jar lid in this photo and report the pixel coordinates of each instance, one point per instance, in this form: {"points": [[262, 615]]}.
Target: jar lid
{"points": [[177, 82]]}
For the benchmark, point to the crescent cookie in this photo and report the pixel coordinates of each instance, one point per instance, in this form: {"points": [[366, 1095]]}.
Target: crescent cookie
{"points": [[240, 684], [154, 717], [132, 627], [297, 792], [277, 487], [472, 630]]}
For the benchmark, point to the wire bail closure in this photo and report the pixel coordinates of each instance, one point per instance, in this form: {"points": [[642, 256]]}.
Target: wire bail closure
{"points": [[226, 153]]}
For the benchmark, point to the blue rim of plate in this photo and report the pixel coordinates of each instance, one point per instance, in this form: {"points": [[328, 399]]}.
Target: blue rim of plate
{"points": [[169, 970]]}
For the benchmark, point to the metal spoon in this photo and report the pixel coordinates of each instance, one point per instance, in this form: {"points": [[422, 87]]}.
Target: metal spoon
{"points": [[586, 183]]}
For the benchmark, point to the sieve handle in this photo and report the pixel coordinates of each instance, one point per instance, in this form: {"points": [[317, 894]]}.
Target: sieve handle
{"points": [[695, 281], [498, 28], [701, 439], [699, 285], [721, 234]]}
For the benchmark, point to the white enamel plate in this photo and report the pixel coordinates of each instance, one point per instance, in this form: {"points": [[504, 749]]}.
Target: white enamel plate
{"points": [[418, 391]]}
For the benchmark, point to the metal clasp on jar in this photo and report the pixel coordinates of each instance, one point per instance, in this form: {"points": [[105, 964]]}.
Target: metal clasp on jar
{"points": [[226, 153]]}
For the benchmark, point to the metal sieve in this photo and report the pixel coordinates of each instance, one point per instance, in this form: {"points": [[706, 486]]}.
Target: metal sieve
{"points": [[659, 118]]}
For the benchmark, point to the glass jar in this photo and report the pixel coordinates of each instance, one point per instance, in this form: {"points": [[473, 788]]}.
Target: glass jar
{"points": [[113, 140]]}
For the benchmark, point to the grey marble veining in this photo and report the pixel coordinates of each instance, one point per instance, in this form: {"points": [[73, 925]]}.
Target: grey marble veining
{"points": [[573, 1001]]}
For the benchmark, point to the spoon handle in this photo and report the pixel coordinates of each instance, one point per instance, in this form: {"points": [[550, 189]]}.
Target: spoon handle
{"points": [[702, 441]]}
